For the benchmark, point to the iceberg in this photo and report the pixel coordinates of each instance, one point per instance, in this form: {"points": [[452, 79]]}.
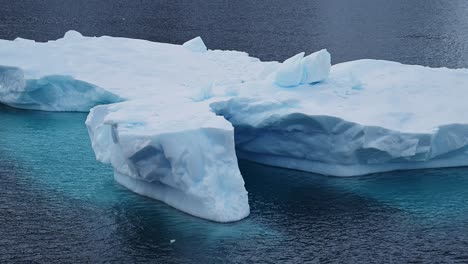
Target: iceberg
{"points": [[183, 157], [172, 120]]}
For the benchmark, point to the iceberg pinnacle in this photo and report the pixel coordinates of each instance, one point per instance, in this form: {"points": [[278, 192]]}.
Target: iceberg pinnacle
{"points": [[290, 71], [316, 67], [304, 70], [173, 119]]}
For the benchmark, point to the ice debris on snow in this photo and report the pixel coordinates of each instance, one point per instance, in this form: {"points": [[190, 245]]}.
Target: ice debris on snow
{"points": [[304, 70], [195, 45], [290, 71], [72, 34], [316, 67]]}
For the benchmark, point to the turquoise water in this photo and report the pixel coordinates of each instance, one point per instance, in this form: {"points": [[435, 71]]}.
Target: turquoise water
{"points": [[58, 204]]}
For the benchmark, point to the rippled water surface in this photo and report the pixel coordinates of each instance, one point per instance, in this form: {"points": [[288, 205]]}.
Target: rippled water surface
{"points": [[57, 204], [425, 32]]}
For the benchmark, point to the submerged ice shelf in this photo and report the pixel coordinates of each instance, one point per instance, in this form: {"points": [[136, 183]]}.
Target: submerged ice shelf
{"points": [[172, 119]]}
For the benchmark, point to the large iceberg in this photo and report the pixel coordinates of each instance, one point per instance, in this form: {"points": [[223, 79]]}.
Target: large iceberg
{"points": [[183, 156], [172, 119]]}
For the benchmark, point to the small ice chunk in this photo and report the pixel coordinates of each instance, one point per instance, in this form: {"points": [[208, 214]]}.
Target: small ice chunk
{"points": [[72, 34], [316, 67], [290, 71], [22, 40], [195, 45], [172, 241]]}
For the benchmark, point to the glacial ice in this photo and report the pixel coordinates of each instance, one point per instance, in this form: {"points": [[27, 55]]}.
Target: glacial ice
{"points": [[184, 158], [50, 93], [290, 72], [304, 70], [173, 119], [195, 45], [316, 67]]}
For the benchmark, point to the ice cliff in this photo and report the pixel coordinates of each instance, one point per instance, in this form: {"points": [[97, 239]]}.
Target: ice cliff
{"points": [[172, 119]]}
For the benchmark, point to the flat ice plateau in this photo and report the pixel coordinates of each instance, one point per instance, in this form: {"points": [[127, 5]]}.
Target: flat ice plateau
{"points": [[172, 119]]}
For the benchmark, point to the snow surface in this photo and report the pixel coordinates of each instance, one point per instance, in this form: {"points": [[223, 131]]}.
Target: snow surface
{"points": [[169, 130]]}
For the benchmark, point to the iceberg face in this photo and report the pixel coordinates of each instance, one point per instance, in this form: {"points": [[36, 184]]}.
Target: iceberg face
{"points": [[279, 136], [50, 93], [166, 113]]}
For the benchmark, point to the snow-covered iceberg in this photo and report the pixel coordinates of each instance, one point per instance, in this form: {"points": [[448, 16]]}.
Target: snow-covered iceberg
{"points": [[172, 119]]}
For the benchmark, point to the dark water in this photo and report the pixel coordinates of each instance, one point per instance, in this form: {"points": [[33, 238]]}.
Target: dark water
{"points": [[57, 204], [426, 32]]}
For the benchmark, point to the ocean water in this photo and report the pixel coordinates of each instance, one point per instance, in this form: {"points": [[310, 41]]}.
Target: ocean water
{"points": [[58, 204], [432, 33]]}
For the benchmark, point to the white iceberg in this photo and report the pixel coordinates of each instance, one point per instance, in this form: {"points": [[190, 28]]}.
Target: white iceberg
{"points": [[178, 119], [183, 156]]}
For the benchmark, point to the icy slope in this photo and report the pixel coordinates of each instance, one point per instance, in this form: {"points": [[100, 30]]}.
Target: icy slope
{"points": [[187, 111]]}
